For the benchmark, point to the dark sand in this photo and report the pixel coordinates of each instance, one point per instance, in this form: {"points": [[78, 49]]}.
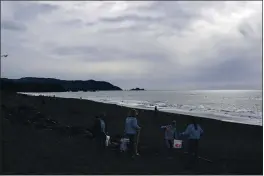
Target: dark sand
{"points": [[33, 149]]}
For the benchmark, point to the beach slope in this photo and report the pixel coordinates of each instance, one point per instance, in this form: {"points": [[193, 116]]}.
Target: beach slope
{"points": [[48, 135]]}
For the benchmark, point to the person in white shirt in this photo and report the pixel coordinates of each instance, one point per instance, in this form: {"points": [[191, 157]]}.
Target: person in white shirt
{"points": [[194, 133], [170, 133]]}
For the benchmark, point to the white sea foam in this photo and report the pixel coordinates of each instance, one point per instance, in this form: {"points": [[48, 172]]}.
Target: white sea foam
{"points": [[222, 106]]}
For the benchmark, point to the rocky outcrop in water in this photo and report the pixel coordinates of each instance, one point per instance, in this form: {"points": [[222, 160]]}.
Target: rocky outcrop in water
{"points": [[137, 89]]}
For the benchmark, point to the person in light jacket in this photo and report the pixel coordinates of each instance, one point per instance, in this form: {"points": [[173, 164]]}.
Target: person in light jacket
{"points": [[170, 134], [194, 132], [131, 130]]}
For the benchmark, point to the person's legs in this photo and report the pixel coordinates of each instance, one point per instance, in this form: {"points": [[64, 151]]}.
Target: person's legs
{"points": [[103, 139], [170, 150], [167, 147], [100, 149], [100, 144], [131, 146], [136, 145], [167, 142], [195, 151], [190, 146], [190, 153], [171, 143]]}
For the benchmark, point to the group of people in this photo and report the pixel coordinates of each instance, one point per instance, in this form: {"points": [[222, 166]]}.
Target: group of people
{"points": [[193, 132], [132, 130]]}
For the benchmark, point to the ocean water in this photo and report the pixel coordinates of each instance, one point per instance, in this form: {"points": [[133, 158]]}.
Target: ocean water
{"points": [[238, 106]]}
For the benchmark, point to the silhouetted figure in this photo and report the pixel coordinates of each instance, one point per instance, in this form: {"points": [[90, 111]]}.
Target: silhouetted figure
{"points": [[155, 111], [99, 133]]}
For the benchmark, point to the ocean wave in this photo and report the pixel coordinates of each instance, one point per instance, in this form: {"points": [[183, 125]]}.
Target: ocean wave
{"points": [[230, 113]]}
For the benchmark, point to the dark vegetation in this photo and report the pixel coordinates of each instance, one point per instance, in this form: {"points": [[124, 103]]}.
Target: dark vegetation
{"points": [[30, 84]]}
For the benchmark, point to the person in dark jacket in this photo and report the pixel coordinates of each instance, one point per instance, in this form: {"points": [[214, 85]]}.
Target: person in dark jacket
{"points": [[99, 132]]}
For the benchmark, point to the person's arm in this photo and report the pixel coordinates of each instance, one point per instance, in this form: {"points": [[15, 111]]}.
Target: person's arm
{"points": [[135, 124], [163, 127], [175, 134], [125, 126], [187, 131], [105, 128], [201, 130]]}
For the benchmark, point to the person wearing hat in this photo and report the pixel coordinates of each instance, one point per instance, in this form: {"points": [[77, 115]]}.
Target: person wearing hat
{"points": [[170, 134]]}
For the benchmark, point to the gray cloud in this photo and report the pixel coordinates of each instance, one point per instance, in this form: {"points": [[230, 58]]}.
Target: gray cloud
{"points": [[230, 71], [75, 50], [136, 28], [90, 24], [13, 26], [72, 23], [131, 18], [91, 53], [179, 14], [156, 45], [245, 30], [30, 10]]}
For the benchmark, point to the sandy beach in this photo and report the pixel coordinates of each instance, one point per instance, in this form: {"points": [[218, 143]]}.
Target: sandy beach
{"points": [[29, 147]]}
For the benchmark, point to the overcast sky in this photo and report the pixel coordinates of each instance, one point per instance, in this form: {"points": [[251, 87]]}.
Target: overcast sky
{"points": [[153, 45]]}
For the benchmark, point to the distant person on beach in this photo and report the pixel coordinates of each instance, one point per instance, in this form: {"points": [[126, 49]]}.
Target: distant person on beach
{"points": [[194, 133], [170, 134], [99, 132], [155, 111], [131, 131]]}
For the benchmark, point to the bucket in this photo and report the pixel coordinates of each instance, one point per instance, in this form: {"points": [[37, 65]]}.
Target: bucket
{"points": [[177, 144]]}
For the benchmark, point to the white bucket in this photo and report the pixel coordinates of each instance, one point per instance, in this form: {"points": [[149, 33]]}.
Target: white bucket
{"points": [[107, 141], [177, 144]]}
